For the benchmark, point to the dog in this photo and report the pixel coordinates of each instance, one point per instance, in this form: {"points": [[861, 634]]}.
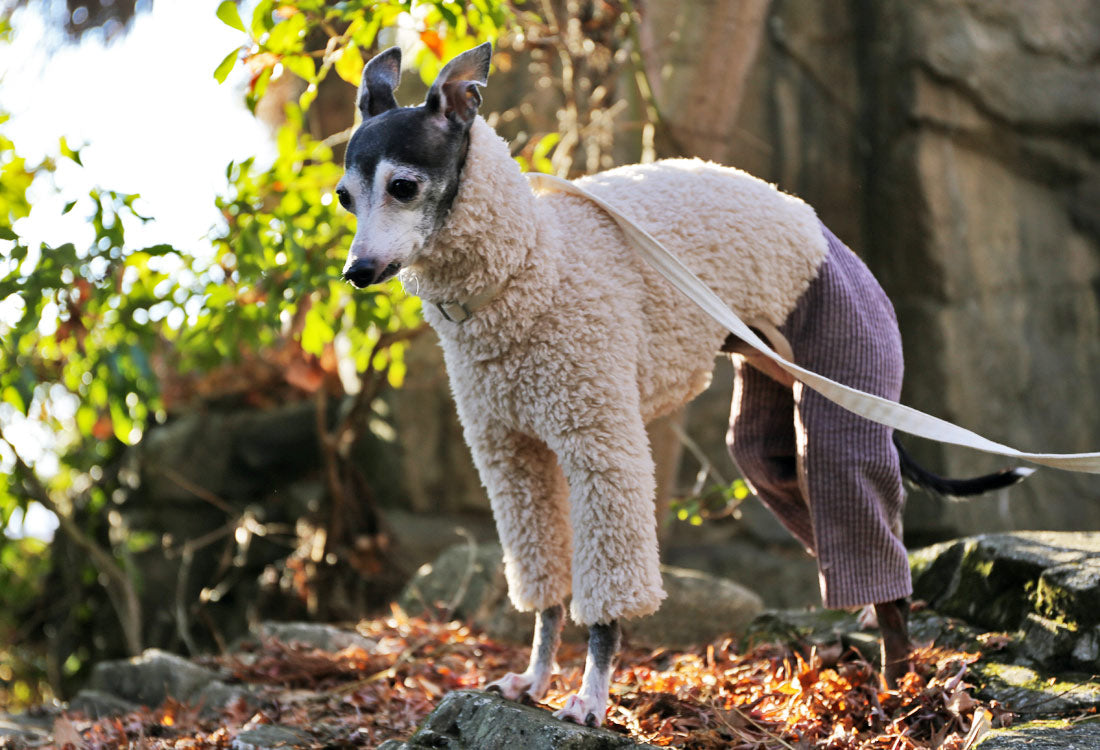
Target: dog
{"points": [[561, 344]]}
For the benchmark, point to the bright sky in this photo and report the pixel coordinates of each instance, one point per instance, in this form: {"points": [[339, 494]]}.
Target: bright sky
{"points": [[152, 120]]}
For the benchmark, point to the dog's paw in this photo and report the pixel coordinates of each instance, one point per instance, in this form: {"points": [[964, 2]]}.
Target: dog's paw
{"points": [[517, 687], [580, 710]]}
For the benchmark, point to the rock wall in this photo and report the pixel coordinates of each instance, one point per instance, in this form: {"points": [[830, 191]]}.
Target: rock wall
{"points": [[954, 144], [986, 131]]}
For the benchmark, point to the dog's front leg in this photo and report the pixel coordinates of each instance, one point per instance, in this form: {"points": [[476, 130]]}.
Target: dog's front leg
{"points": [[589, 705], [536, 679]]}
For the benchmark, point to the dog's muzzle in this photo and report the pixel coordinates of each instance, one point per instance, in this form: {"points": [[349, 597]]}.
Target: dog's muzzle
{"points": [[363, 273]]}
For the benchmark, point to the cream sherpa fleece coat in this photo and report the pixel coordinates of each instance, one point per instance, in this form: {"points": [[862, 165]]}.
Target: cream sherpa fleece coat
{"points": [[583, 344]]}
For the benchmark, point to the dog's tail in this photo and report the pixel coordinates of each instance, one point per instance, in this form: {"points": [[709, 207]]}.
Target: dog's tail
{"points": [[913, 472]]}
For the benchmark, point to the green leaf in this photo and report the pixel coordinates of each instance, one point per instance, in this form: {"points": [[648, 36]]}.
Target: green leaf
{"points": [[301, 66], [12, 396], [7, 233], [222, 71], [69, 152], [349, 65], [228, 14]]}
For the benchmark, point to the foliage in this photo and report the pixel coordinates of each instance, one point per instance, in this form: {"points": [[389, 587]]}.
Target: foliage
{"points": [[714, 501], [281, 34], [711, 697], [101, 340]]}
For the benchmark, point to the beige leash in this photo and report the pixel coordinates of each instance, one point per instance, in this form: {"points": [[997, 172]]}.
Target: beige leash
{"points": [[875, 408]]}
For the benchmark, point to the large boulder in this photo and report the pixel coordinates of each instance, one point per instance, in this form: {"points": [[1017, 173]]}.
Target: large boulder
{"points": [[467, 582], [1046, 584]]}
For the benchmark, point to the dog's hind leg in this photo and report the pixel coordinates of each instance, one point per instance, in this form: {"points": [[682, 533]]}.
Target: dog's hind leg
{"points": [[893, 622], [535, 680], [589, 705]]}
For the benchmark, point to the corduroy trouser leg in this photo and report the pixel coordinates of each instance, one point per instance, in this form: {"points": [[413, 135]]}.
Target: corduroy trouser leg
{"points": [[831, 478]]}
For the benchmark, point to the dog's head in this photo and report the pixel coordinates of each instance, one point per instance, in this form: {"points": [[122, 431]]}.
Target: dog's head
{"points": [[402, 166]]}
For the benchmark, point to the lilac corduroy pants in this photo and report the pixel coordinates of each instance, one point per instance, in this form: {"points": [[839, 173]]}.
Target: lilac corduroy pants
{"points": [[832, 478]]}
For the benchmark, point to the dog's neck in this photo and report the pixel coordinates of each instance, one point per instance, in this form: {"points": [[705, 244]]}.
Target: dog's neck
{"points": [[484, 249]]}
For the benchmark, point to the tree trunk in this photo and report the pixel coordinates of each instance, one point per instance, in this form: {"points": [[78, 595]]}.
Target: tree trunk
{"points": [[697, 56]]}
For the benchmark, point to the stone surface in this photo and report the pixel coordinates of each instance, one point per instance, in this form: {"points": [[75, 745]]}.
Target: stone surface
{"points": [[317, 635], [270, 737], [467, 582], [469, 719], [16, 730], [150, 678], [96, 704], [981, 121], [1032, 693], [1045, 735], [1045, 583]]}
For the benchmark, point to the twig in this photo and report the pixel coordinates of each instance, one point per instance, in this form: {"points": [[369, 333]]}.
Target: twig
{"points": [[337, 138], [697, 453], [464, 584], [764, 730], [641, 73], [183, 626], [198, 491], [187, 554]]}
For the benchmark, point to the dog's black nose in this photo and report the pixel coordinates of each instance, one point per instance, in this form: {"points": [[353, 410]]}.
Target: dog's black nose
{"points": [[361, 273]]}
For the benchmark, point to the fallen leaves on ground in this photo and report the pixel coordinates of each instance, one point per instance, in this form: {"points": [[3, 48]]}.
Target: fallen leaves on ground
{"points": [[714, 697]]}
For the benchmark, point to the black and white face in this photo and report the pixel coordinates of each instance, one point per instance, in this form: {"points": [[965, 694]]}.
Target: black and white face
{"points": [[401, 175], [402, 166]]}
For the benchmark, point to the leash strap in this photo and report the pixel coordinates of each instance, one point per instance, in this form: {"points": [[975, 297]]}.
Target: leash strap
{"points": [[877, 409]]}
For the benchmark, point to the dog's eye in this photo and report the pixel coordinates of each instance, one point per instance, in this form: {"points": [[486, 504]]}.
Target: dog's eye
{"points": [[344, 197], [402, 190]]}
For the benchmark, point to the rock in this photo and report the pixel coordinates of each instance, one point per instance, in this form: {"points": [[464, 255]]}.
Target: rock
{"points": [[467, 581], [1072, 591], [1046, 641], [117, 687], [485, 721], [217, 695], [324, 637], [1045, 735], [963, 233], [96, 704], [698, 608], [150, 678], [1027, 691], [272, 736], [26, 729], [1045, 583]]}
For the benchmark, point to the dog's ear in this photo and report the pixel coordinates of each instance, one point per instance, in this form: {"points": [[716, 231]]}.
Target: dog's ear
{"points": [[380, 78], [454, 93]]}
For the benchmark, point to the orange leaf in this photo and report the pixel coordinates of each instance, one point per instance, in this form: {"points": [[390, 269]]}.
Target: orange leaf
{"points": [[103, 428], [433, 42]]}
